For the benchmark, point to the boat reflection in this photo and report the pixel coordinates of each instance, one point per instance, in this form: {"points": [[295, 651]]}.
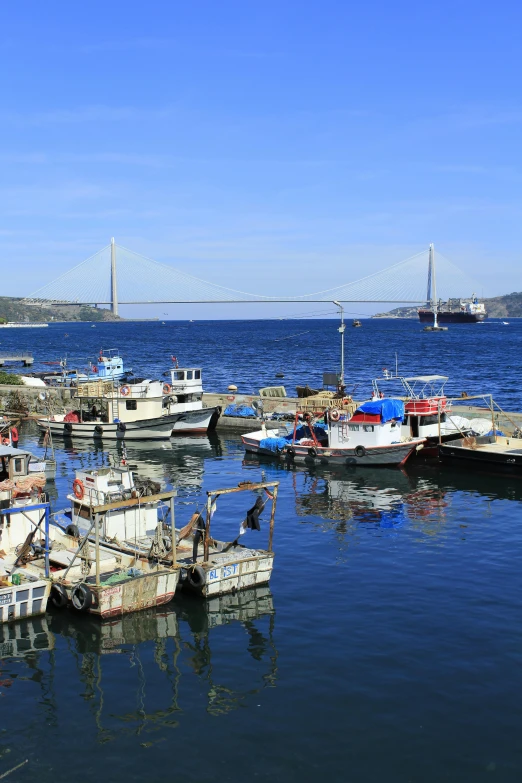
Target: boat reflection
{"points": [[150, 668]]}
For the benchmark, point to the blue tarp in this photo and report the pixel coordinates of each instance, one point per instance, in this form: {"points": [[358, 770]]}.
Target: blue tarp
{"points": [[387, 408], [273, 444], [239, 410]]}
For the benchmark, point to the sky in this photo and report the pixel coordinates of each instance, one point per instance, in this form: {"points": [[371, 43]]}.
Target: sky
{"points": [[279, 147]]}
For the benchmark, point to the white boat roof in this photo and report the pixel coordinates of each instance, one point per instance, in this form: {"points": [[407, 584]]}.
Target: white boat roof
{"points": [[10, 451], [428, 378]]}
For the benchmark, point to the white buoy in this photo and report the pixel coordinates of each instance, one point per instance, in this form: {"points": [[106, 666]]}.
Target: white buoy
{"points": [[232, 388]]}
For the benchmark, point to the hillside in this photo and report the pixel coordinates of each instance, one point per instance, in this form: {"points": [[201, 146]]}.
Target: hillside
{"points": [[506, 306], [12, 309]]}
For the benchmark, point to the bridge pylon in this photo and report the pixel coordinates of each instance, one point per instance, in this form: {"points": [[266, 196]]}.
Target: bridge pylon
{"points": [[114, 279]]}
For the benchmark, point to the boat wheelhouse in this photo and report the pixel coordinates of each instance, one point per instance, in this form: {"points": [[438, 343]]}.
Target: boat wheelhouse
{"points": [[184, 395], [371, 436]]}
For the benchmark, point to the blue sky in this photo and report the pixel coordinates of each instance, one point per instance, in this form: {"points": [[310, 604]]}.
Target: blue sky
{"points": [[270, 146]]}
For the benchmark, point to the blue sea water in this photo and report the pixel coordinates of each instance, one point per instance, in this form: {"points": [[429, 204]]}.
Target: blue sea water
{"points": [[389, 645]]}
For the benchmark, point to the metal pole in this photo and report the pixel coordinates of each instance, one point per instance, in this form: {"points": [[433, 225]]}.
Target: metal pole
{"points": [[47, 568], [207, 528], [272, 519], [341, 330], [492, 417], [114, 279], [97, 545], [173, 530]]}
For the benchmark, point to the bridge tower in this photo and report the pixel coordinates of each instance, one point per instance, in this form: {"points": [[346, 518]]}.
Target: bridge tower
{"points": [[114, 280]]}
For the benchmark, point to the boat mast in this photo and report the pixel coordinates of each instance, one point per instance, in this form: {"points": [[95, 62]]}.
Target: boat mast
{"points": [[341, 330], [433, 285]]}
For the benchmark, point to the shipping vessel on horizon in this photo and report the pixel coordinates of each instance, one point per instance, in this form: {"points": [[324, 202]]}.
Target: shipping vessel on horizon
{"points": [[455, 311]]}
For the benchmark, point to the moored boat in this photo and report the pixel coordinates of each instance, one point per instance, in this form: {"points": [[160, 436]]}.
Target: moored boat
{"points": [[494, 453], [372, 436]]}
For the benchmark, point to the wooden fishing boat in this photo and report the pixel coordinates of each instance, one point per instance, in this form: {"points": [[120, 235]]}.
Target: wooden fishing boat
{"points": [[494, 453], [371, 436]]}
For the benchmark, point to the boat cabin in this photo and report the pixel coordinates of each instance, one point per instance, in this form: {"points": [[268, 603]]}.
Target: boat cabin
{"points": [[425, 402], [102, 401], [376, 423], [186, 384], [110, 364], [102, 486]]}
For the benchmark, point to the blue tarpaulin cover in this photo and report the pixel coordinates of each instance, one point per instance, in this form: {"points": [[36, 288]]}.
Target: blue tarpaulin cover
{"points": [[387, 408], [273, 444], [239, 410]]}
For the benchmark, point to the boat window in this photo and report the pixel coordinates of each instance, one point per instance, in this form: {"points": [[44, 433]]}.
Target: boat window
{"points": [[131, 405], [368, 427], [425, 420], [178, 375], [190, 375], [18, 465], [353, 427], [405, 420], [197, 374]]}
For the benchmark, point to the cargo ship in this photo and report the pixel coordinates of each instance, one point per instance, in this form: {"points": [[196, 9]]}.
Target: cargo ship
{"points": [[454, 311]]}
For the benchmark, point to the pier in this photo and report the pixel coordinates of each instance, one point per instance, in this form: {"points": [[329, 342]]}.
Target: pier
{"points": [[9, 358]]}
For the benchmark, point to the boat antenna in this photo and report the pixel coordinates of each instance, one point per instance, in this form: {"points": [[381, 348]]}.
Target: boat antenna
{"points": [[396, 365], [341, 330]]}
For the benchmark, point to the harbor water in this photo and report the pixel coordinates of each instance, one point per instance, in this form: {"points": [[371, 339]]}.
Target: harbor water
{"points": [[389, 644]]}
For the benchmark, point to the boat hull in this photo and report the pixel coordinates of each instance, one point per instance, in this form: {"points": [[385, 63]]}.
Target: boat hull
{"points": [[28, 599], [456, 454], [197, 421], [447, 317], [140, 592], [232, 575], [394, 454], [147, 429]]}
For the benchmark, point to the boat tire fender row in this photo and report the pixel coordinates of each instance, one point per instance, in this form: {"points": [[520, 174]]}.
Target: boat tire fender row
{"points": [[78, 489], [59, 596], [360, 451], [196, 577], [81, 597]]}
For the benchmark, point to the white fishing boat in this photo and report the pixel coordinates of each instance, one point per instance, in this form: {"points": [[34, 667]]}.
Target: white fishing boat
{"points": [[24, 531], [108, 366], [106, 553], [106, 411], [183, 395], [23, 325], [371, 436], [211, 567]]}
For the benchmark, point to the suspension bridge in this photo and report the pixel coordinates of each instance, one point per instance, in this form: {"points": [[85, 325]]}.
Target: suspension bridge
{"points": [[115, 276]]}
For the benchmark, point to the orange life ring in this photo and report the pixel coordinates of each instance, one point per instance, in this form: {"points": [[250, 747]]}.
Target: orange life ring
{"points": [[125, 391], [347, 400], [334, 415], [78, 489], [166, 388], [95, 368]]}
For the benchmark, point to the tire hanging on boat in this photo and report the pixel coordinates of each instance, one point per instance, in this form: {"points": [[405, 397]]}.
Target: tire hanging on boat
{"points": [[68, 428], [59, 596], [98, 430], [81, 598], [360, 451], [196, 577], [72, 530]]}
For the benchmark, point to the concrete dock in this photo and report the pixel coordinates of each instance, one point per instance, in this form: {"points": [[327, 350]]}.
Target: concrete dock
{"points": [[25, 358]]}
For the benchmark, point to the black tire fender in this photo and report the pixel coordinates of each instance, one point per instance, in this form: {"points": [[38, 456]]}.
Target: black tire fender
{"points": [[196, 577], [67, 427], [121, 426], [59, 596], [81, 597], [98, 430], [360, 451], [312, 451], [72, 530]]}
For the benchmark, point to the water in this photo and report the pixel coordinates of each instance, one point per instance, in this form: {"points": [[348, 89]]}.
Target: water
{"points": [[388, 646]]}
